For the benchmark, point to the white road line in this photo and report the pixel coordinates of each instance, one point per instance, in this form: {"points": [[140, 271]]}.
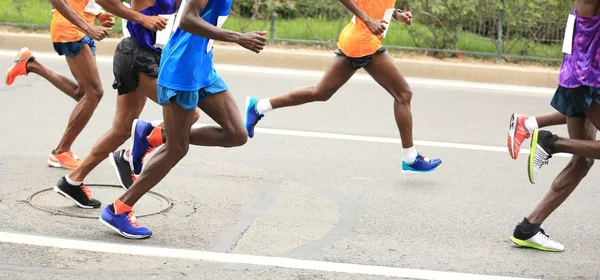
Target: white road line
{"points": [[95, 246], [308, 73], [323, 135]]}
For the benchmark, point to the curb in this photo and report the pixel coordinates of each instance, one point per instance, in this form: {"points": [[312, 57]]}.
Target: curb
{"points": [[312, 60]]}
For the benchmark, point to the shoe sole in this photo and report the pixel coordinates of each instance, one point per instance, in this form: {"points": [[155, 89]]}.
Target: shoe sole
{"points": [[65, 195], [410, 172], [533, 148], [131, 148], [246, 116], [532, 245], [512, 133], [114, 164], [126, 235], [24, 49]]}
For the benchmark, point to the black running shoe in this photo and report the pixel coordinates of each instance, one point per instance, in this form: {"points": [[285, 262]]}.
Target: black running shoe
{"points": [[81, 195], [123, 169]]}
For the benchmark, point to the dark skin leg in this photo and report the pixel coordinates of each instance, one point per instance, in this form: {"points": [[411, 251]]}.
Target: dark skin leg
{"points": [[84, 63], [61, 82], [570, 176], [177, 122], [550, 119], [385, 72], [585, 148], [336, 76]]}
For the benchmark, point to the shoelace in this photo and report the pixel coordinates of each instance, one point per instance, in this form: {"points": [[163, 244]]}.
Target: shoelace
{"points": [[133, 178], [149, 150], [133, 220], [544, 235], [541, 158], [87, 191]]}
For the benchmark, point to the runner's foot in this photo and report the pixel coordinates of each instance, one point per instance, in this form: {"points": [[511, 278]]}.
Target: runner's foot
{"points": [[122, 168], [140, 147], [421, 165], [536, 239], [517, 133], [67, 160], [542, 148], [125, 223], [81, 195], [19, 66], [252, 115]]}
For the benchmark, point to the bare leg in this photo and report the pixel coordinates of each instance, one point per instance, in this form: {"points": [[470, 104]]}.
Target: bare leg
{"points": [[84, 63], [59, 80], [550, 119], [222, 108], [585, 148], [177, 122], [336, 76], [129, 107], [386, 73], [569, 177]]}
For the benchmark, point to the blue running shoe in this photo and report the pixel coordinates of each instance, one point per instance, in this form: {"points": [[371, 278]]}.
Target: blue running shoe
{"points": [[140, 146], [421, 165], [252, 115], [125, 224]]}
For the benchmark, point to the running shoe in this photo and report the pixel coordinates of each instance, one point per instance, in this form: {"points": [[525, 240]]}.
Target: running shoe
{"points": [[542, 148], [140, 147], [19, 66], [252, 115], [517, 133], [81, 195], [537, 239], [125, 223], [67, 160], [122, 168], [421, 165]]}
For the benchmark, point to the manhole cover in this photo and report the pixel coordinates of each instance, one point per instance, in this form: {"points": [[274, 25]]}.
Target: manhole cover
{"points": [[49, 201]]}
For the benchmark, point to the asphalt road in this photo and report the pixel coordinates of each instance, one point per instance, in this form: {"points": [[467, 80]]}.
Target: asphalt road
{"points": [[309, 198]]}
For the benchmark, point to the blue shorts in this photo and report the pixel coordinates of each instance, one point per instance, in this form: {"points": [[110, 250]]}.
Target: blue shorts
{"points": [[71, 49], [189, 100], [573, 102]]}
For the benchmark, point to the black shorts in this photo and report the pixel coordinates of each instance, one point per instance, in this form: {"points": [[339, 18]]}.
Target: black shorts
{"points": [[573, 102], [129, 61], [359, 62]]}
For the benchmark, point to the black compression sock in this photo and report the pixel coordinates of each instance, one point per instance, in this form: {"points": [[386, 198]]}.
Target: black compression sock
{"points": [[526, 226]]}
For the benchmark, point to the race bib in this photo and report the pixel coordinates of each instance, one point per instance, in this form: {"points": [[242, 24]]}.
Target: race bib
{"points": [[92, 8], [162, 36], [568, 40], [220, 21], [124, 23]]}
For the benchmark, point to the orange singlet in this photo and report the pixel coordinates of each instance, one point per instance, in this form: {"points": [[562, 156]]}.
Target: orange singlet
{"points": [[356, 40], [62, 30]]}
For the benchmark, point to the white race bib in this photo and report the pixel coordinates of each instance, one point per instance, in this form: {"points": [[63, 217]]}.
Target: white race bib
{"points": [[568, 40], [124, 23], [92, 8], [220, 21], [163, 36]]}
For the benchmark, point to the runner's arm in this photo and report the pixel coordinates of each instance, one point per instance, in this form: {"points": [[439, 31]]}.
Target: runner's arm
{"points": [[117, 8], [351, 5], [63, 7], [193, 23]]}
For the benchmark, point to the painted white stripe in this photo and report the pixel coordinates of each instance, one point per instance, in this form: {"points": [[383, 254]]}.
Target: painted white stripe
{"points": [[95, 246], [373, 139], [357, 77]]}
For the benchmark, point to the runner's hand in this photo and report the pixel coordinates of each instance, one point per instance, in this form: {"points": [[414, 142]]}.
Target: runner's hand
{"points": [[405, 17], [376, 26], [106, 20], [98, 33], [254, 41], [155, 23]]}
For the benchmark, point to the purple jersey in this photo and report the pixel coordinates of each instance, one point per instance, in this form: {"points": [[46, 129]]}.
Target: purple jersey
{"points": [[146, 37], [582, 66]]}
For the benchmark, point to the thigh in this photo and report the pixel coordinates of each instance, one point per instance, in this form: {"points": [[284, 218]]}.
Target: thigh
{"points": [[338, 73], [581, 128], [385, 72], [85, 66], [147, 86], [177, 122], [593, 114], [223, 109]]}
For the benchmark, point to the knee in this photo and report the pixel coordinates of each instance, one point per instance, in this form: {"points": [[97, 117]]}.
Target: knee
{"points": [[176, 150], [236, 137], [122, 133], [196, 115], [581, 163], [322, 93], [95, 95], [404, 96]]}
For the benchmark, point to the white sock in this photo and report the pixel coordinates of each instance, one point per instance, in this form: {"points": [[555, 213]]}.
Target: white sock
{"points": [[531, 124], [71, 182], [410, 154], [126, 155], [263, 106]]}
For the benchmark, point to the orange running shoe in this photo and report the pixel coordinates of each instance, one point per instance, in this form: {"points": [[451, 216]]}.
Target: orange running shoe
{"points": [[19, 66], [66, 160], [517, 133]]}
